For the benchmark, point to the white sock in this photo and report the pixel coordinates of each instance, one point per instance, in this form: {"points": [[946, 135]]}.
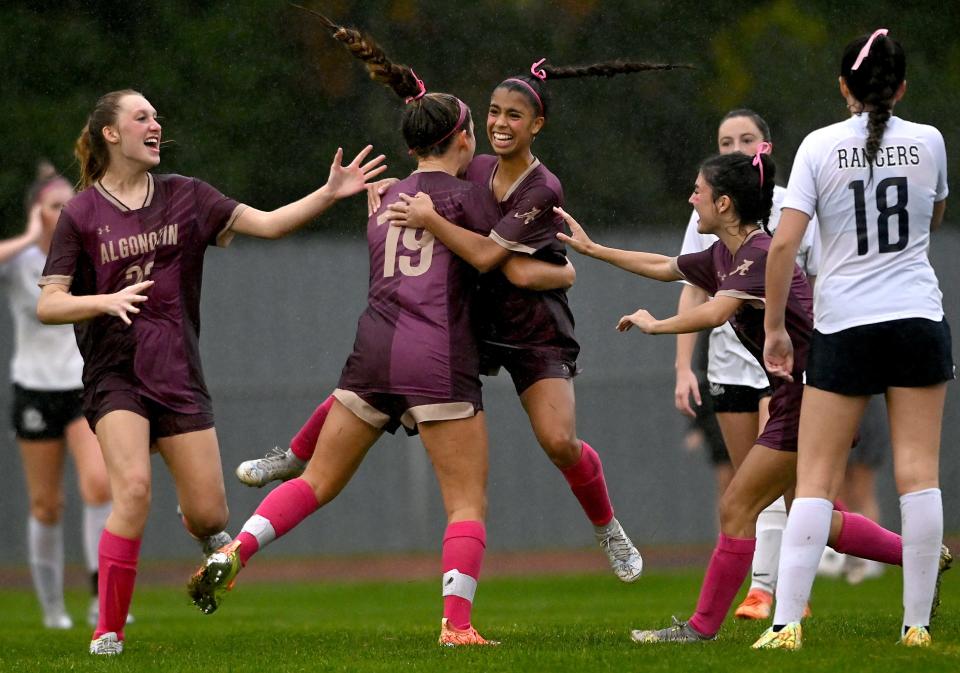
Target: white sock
{"points": [[45, 549], [804, 538], [766, 557], [94, 519], [921, 515]]}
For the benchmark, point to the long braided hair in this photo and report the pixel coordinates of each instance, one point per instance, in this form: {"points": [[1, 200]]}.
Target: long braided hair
{"points": [[874, 83], [533, 87], [430, 120]]}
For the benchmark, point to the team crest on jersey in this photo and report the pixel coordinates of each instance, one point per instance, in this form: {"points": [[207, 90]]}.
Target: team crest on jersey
{"points": [[528, 216], [743, 268]]}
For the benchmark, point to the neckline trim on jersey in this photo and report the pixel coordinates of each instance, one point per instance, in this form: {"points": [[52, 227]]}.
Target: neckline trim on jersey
{"points": [[523, 176], [120, 205]]}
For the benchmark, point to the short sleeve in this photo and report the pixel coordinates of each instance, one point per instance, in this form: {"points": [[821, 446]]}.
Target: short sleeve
{"points": [[216, 214], [940, 155], [802, 188], [530, 225], [65, 250], [699, 268], [746, 280]]}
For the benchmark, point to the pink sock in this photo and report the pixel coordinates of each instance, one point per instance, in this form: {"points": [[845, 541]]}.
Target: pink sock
{"points": [[304, 443], [728, 567], [463, 546], [859, 536], [117, 575], [283, 509], [588, 485]]}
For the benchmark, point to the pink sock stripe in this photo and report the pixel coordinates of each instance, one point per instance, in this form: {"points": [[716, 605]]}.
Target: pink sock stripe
{"points": [[859, 536], [288, 504], [472, 529], [585, 469], [304, 443], [736, 545], [119, 548]]}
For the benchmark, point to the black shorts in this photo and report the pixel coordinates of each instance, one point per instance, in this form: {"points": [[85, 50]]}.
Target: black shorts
{"points": [[735, 399], [868, 359], [706, 421], [526, 366], [44, 414]]}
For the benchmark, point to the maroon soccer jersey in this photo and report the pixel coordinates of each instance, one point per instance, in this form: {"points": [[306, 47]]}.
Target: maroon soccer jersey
{"points": [[416, 335], [100, 246], [744, 276], [509, 315]]}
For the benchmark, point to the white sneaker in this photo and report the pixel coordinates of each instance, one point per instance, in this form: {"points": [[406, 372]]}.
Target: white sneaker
{"points": [[108, 644], [278, 465], [93, 613], [624, 558], [59, 621]]}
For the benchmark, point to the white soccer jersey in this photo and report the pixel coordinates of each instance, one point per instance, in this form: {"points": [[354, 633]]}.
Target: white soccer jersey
{"points": [[45, 357], [874, 232], [728, 361]]}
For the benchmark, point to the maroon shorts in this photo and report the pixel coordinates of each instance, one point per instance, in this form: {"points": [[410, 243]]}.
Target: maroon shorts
{"points": [[526, 366], [388, 411], [781, 430], [164, 422]]}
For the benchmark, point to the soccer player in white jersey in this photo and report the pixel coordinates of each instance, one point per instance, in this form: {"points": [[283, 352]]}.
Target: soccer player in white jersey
{"points": [[47, 418], [878, 185], [739, 388]]}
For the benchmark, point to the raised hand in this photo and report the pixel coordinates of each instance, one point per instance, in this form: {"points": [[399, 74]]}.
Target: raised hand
{"points": [[578, 240], [641, 318], [351, 179]]}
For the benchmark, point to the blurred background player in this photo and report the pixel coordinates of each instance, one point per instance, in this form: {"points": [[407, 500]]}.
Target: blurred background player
{"points": [[739, 388], [878, 185], [47, 416]]}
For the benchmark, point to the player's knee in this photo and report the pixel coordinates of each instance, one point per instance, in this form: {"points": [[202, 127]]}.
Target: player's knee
{"points": [[95, 490], [562, 449], [47, 509], [133, 496]]}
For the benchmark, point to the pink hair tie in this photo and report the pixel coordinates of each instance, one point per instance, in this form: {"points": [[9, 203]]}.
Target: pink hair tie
{"points": [[762, 148], [537, 71], [420, 94], [866, 48]]}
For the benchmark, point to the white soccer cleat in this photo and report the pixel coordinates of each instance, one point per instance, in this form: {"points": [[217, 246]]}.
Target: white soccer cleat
{"points": [[278, 465], [108, 644], [57, 621], [624, 558]]}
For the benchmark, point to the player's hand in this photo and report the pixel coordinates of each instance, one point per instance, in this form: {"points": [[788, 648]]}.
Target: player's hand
{"points": [[351, 179], [125, 301], [687, 387], [641, 318], [578, 240], [34, 223], [410, 211], [375, 190], [778, 354]]}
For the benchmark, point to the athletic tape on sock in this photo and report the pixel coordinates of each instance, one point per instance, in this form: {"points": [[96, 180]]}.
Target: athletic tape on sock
{"points": [[455, 583], [260, 528]]}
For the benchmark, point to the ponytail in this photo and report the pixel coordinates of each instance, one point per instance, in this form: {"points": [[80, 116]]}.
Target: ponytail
{"points": [[90, 149]]}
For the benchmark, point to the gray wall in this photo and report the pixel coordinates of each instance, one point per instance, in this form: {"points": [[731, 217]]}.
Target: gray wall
{"points": [[278, 323]]}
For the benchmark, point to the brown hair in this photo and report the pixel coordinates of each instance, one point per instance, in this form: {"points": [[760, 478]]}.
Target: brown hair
{"points": [[90, 148]]}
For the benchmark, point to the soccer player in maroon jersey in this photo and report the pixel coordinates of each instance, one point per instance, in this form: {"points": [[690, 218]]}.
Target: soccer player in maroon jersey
{"points": [[125, 265], [732, 196], [415, 361]]}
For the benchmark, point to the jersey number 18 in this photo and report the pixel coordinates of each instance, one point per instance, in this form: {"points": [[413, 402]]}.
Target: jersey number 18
{"points": [[899, 208]]}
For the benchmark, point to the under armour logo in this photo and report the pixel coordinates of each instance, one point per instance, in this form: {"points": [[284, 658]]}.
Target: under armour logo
{"points": [[742, 269], [101, 230], [528, 216]]}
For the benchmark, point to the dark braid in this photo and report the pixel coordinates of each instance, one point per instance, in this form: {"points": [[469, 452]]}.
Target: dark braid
{"points": [[430, 120], [875, 83], [608, 69], [734, 175], [539, 98]]}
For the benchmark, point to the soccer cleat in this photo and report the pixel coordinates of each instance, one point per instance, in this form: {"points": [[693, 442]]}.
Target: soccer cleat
{"points": [[58, 621], [946, 560], [454, 637], [624, 558], [678, 632], [790, 637], [278, 464], [916, 636], [107, 644], [215, 576], [756, 605]]}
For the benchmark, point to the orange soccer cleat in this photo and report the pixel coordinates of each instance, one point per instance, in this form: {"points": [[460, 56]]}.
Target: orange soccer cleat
{"points": [[454, 637]]}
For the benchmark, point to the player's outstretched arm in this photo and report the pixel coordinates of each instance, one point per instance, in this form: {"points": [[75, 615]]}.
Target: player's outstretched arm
{"points": [[650, 265], [535, 274], [57, 306], [706, 316], [342, 182]]}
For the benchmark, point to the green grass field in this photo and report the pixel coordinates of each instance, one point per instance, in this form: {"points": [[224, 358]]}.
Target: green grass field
{"points": [[563, 623]]}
